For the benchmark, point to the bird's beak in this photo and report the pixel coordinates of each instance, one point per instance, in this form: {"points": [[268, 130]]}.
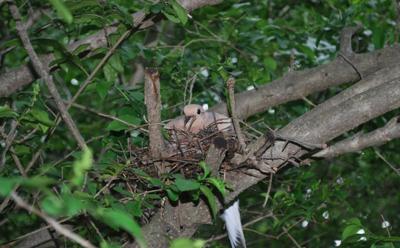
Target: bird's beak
{"points": [[187, 119]]}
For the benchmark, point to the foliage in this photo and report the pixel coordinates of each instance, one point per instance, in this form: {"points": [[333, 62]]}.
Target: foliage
{"points": [[254, 41]]}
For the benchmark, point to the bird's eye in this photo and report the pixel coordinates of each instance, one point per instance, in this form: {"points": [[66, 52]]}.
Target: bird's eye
{"points": [[198, 111]]}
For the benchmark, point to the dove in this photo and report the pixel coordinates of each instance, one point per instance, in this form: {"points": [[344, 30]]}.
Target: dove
{"points": [[196, 119]]}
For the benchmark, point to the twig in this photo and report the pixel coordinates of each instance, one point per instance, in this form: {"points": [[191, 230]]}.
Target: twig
{"points": [[44, 74], [244, 225], [286, 231], [387, 162], [111, 117], [192, 81], [304, 144], [268, 190], [87, 81], [57, 226], [230, 83], [8, 142], [91, 76]]}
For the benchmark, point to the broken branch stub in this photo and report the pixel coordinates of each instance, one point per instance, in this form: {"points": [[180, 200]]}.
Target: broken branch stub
{"points": [[152, 100]]}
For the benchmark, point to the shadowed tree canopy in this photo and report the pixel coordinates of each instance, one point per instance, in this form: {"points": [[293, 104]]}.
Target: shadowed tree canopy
{"points": [[312, 88]]}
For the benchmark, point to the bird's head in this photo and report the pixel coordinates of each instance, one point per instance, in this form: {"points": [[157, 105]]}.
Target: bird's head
{"points": [[191, 111]]}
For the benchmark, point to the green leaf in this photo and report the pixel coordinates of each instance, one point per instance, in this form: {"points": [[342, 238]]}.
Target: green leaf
{"points": [[37, 182], [171, 17], [62, 10], [187, 243], [102, 88], [172, 195], [41, 116], [353, 226], [6, 112], [206, 170], [119, 126], [73, 204], [186, 185], [110, 73], [180, 12], [270, 64], [7, 185], [82, 165], [22, 150], [119, 219], [218, 184], [115, 62], [52, 205], [212, 203]]}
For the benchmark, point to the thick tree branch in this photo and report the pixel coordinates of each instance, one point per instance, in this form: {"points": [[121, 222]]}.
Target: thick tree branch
{"points": [[356, 143], [298, 84], [16, 79], [44, 74]]}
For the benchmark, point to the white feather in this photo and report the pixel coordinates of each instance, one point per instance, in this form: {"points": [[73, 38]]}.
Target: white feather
{"points": [[231, 216]]}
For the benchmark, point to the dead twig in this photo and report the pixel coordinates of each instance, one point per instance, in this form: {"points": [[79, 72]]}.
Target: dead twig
{"points": [[236, 124], [268, 190], [56, 225]]}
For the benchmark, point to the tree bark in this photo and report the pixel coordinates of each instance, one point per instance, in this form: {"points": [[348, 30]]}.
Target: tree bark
{"points": [[298, 84]]}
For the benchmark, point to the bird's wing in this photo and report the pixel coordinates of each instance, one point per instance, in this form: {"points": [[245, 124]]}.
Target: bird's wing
{"points": [[178, 123], [231, 216]]}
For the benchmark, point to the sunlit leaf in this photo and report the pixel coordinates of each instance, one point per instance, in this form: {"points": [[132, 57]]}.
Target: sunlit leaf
{"points": [[180, 12], [7, 112], [81, 166], [187, 243], [186, 184], [212, 203], [62, 10], [121, 220]]}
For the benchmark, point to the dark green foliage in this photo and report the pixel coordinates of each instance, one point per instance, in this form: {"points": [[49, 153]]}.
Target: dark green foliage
{"points": [[256, 42]]}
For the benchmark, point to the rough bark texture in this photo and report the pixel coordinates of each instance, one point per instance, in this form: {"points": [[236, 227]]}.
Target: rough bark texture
{"points": [[152, 99], [298, 84], [377, 137]]}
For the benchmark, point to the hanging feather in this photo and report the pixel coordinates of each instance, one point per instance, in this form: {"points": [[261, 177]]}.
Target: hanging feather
{"points": [[231, 216]]}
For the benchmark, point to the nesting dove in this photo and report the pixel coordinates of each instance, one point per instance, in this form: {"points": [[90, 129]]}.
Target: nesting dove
{"points": [[196, 119]]}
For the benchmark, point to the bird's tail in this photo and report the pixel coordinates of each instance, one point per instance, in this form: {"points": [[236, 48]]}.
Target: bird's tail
{"points": [[231, 216]]}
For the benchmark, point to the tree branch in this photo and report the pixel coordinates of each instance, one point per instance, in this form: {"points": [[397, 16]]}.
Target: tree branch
{"points": [[57, 226], [230, 83], [44, 74], [356, 143], [298, 84]]}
